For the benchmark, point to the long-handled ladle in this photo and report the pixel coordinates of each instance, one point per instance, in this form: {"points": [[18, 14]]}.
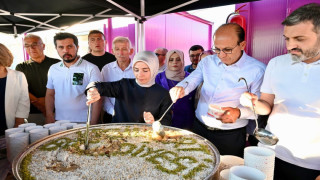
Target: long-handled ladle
{"points": [[156, 125], [86, 141], [264, 136]]}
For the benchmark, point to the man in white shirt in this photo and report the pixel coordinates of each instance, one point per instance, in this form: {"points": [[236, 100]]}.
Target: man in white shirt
{"points": [[220, 74], [67, 82], [161, 54], [290, 92], [115, 71]]}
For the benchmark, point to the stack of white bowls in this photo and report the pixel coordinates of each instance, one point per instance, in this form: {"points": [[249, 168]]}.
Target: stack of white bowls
{"points": [[36, 134], [19, 138], [260, 158]]}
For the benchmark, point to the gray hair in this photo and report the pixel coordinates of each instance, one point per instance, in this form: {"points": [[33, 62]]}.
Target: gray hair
{"points": [[308, 12], [122, 40], [33, 36], [164, 50]]}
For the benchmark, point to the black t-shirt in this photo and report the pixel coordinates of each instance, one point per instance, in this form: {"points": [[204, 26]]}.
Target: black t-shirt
{"points": [[3, 123], [37, 77], [100, 61]]}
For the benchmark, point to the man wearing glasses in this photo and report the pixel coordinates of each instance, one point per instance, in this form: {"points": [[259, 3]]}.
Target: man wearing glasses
{"points": [[194, 54], [36, 70], [161, 54], [220, 74]]}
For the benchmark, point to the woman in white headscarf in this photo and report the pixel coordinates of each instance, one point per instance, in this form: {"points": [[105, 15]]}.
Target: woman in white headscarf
{"points": [[138, 100], [183, 110]]}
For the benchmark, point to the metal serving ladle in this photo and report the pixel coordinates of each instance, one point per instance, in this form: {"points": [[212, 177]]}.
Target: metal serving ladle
{"points": [[264, 136], [156, 125], [86, 140]]}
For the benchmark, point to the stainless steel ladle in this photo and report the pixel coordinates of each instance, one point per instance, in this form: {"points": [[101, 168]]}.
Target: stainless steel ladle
{"points": [[264, 136], [156, 125], [86, 141]]}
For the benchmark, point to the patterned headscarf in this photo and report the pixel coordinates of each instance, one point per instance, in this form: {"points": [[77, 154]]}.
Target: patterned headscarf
{"points": [[175, 75], [152, 61]]}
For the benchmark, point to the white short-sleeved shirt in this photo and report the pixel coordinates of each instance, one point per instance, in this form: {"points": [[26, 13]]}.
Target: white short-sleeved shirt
{"points": [[69, 85], [221, 86], [112, 72], [295, 117]]}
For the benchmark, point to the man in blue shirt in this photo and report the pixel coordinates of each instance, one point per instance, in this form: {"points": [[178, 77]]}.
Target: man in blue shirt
{"points": [[194, 54], [220, 74]]}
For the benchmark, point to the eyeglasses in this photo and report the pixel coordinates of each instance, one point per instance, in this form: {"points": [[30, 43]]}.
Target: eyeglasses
{"points": [[160, 54], [225, 50], [33, 45], [194, 55]]}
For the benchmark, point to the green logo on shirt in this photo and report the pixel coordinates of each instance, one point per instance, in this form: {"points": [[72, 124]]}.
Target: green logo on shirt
{"points": [[77, 79]]}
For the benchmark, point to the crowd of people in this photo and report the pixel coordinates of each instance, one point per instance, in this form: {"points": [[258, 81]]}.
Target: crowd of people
{"points": [[140, 90]]}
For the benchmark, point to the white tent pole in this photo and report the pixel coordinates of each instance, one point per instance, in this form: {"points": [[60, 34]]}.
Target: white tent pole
{"points": [[141, 23], [137, 37], [25, 25], [79, 15], [37, 14], [39, 26], [107, 16], [29, 19], [124, 9], [107, 10], [15, 31], [171, 9], [5, 12], [142, 38], [142, 8]]}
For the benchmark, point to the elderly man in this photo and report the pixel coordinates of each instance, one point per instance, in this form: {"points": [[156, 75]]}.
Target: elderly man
{"points": [[115, 71], [194, 54], [97, 45], [36, 70], [290, 92], [220, 74], [161, 54], [67, 82]]}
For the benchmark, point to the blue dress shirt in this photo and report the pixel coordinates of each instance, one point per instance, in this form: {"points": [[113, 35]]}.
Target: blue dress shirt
{"points": [[221, 87]]}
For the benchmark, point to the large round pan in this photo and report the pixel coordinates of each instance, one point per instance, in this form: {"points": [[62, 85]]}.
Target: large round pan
{"points": [[18, 160]]}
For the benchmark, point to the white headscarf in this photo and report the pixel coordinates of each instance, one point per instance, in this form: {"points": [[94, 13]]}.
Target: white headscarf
{"points": [[175, 75], [152, 61]]}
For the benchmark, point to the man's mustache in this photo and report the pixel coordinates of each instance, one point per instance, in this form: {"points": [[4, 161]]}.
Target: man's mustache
{"points": [[295, 49]]}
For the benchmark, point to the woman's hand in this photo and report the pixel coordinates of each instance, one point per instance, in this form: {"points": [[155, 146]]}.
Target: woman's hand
{"points": [[148, 117], [92, 95]]}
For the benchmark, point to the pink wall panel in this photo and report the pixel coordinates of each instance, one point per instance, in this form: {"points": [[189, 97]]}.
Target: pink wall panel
{"points": [[265, 32], [173, 31], [155, 33], [294, 4], [128, 31], [264, 29]]}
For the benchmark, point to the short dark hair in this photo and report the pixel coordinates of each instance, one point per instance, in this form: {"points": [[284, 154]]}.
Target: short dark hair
{"points": [[96, 32], [308, 12], [196, 47], [238, 29], [64, 35]]}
